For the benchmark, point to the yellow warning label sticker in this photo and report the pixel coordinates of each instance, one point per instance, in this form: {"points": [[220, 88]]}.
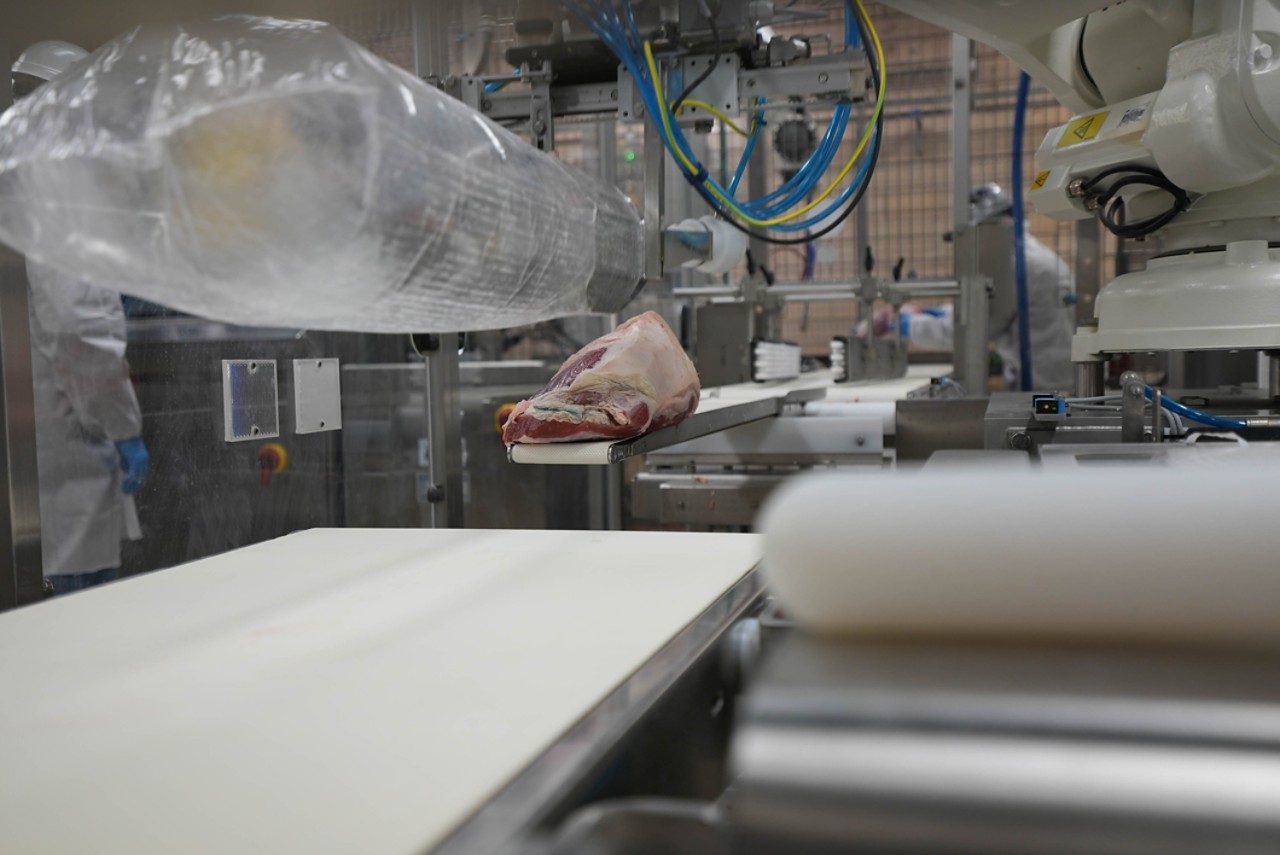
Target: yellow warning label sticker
{"points": [[1041, 178], [1082, 129]]}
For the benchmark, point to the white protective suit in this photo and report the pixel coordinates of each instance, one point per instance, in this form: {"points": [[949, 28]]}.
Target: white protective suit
{"points": [[84, 402], [1050, 284]]}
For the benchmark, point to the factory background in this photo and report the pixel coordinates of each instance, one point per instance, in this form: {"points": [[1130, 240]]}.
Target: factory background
{"points": [[908, 207], [208, 496]]}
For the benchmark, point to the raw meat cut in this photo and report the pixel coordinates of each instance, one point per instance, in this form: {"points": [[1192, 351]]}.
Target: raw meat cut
{"points": [[632, 380]]}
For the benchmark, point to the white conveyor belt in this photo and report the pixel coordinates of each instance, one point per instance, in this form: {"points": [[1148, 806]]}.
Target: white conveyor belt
{"points": [[886, 390], [718, 397], [867, 390], [331, 691], [597, 452], [1149, 553]]}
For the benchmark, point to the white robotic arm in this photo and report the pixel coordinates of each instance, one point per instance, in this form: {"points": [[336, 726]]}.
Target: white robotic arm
{"points": [[1177, 136], [1191, 89], [1041, 37]]}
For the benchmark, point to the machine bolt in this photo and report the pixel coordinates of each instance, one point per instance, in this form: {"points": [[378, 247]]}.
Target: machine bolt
{"points": [[1261, 54], [823, 77], [861, 440], [435, 494], [1020, 441], [1076, 188]]}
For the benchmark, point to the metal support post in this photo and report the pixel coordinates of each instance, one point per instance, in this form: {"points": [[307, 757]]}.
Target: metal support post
{"points": [[607, 150], [1273, 374], [970, 344], [444, 417], [542, 132], [23, 580], [654, 190], [1176, 369], [1133, 404], [1089, 379], [605, 482], [1088, 268], [444, 430], [681, 202], [1157, 416], [430, 22], [961, 178]]}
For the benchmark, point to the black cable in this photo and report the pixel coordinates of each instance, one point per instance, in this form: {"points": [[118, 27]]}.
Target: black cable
{"points": [[1111, 206], [711, 67], [753, 266], [1112, 215], [1112, 212], [858, 194]]}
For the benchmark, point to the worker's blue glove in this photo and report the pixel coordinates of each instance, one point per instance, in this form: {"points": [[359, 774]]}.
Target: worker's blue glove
{"points": [[135, 463]]}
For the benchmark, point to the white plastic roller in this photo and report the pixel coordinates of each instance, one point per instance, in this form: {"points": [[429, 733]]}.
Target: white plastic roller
{"points": [[1150, 553]]}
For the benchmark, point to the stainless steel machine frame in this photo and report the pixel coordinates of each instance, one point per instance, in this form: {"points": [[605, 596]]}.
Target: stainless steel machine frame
{"points": [[444, 416], [840, 745], [23, 579], [682, 698]]}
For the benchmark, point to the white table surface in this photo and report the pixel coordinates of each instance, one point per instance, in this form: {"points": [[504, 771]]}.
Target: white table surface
{"points": [[329, 691]]}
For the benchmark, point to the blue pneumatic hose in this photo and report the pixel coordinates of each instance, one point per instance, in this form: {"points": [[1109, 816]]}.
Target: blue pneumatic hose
{"points": [[1220, 422], [1019, 237]]}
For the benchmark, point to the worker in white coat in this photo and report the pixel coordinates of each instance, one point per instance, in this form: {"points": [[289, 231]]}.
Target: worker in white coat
{"points": [[1050, 294], [89, 451]]}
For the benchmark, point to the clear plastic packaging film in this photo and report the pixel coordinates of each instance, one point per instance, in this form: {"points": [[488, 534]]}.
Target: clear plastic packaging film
{"points": [[271, 172]]}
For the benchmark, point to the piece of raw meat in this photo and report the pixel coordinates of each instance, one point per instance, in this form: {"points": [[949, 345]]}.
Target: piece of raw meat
{"points": [[632, 380]]}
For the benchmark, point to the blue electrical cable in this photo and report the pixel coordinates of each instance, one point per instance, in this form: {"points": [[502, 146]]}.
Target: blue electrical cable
{"points": [[1019, 237], [624, 42], [810, 262], [746, 153], [1222, 422], [498, 85], [810, 172]]}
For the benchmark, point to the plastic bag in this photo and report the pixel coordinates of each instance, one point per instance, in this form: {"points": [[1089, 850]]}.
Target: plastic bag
{"points": [[271, 172]]}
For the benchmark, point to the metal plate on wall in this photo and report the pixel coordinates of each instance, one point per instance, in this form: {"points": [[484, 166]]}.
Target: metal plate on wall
{"points": [[317, 395], [250, 402], [720, 89]]}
